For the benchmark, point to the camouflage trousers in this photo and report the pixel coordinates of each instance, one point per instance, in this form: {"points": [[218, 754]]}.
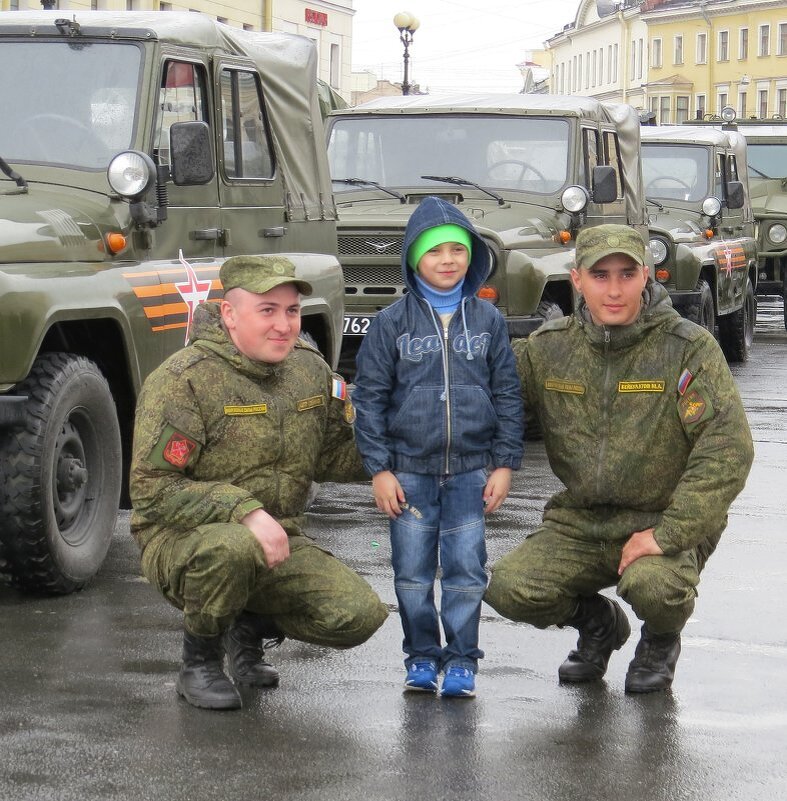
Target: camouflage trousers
{"points": [[216, 571], [540, 581]]}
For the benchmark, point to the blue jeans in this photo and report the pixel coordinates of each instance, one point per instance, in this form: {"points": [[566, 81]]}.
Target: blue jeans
{"points": [[443, 519]]}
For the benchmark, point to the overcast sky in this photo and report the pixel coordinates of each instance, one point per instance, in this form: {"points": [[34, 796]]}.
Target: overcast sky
{"points": [[460, 45]]}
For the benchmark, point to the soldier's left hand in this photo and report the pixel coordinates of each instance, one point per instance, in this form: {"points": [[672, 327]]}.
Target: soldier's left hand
{"points": [[640, 543]]}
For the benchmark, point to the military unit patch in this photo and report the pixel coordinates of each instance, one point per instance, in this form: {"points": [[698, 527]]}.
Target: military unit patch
{"points": [[694, 407], [349, 412], [178, 449]]}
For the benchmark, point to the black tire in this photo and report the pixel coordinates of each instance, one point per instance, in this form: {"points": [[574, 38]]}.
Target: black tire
{"points": [[702, 310], [736, 330], [61, 476], [784, 298]]}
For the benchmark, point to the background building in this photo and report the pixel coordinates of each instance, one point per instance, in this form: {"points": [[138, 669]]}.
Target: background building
{"points": [[327, 24]]}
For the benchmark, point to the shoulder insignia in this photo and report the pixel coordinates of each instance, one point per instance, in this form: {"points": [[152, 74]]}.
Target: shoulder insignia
{"points": [[349, 412], [684, 381], [174, 449], [694, 407], [178, 449]]}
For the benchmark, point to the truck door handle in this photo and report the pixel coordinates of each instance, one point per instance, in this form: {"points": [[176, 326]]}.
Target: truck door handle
{"points": [[278, 230], [221, 235]]}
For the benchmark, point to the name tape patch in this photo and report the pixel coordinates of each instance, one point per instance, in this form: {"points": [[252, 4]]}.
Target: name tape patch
{"points": [[254, 408], [558, 385], [640, 386], [311, 403]]}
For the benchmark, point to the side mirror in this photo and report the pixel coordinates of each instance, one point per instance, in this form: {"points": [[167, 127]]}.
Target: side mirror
{"points": [[735, 196], [605, 184], [192, 153]]}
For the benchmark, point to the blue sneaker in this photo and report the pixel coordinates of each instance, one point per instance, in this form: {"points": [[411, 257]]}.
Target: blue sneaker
{"points": [[421, 677], [459, 682]]}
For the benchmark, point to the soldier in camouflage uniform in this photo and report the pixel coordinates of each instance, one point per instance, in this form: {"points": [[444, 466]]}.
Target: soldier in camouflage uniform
{"points": [[230, 433], [644, 426]]}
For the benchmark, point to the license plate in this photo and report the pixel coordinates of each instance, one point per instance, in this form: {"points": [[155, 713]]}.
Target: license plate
{"points": [[356, 326]]}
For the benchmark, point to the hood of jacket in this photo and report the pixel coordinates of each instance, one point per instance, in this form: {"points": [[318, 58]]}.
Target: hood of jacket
{"points": [[431, 212]]}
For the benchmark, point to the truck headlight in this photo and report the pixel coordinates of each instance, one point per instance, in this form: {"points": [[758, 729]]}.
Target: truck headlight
{"points": [[777, 234], [659, 249], [131, 174], [574, 198], [711, 206]]}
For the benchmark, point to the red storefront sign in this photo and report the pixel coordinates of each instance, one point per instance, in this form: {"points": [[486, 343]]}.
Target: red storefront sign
{"points": [[316, 17]]}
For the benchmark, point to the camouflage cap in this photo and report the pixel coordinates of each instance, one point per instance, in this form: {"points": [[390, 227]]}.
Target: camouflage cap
{"points": [[593, 244], [260, 274]]}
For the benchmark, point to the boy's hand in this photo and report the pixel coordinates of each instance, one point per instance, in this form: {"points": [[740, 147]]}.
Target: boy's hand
{"points": [[388, 493], [496, 490]]}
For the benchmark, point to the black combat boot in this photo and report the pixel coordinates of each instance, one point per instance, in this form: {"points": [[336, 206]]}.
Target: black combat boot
{"points": [[653, 666], [603, 628], [202, 681], [245, 655]]}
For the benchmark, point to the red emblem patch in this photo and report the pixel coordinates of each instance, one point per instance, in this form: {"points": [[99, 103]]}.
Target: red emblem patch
{"points": [[178, 450]]}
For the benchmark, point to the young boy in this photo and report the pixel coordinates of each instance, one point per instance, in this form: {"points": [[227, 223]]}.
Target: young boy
{"points": [[440, 428]]}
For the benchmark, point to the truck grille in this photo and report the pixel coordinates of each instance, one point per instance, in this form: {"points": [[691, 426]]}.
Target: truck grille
{"points": [[381, 280], [371, 245]]}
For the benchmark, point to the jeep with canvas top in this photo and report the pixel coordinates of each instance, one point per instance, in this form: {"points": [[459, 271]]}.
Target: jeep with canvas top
{"points": [[530, 171], [138, 151], [702, 228]]}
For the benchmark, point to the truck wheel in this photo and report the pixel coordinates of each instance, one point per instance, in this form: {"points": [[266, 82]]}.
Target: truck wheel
{"points": [[61, 476], [702, 311], [736, 330], [784, 297]]}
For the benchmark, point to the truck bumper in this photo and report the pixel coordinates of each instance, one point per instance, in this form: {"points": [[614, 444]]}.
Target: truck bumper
{"points": [[682, 299], [12, 410], [519, 327]]}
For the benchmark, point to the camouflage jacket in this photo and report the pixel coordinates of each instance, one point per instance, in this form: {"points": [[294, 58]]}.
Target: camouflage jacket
{"points": [[643, 424], [218, 435]]}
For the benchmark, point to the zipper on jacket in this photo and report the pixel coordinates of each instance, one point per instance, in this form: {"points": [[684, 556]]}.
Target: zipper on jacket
{"points": [[447, 385], [604, 413]]}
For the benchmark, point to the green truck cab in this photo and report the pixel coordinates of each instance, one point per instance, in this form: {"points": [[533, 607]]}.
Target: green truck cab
{"points": [[138, 151], [530, 171], [702, 228]]}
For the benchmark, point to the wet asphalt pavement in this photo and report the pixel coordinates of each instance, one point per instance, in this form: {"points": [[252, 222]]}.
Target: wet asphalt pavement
{"points": [[89, 709]]}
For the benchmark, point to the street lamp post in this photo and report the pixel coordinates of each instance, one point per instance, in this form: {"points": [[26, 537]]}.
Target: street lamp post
{"points": [[407, 25]]}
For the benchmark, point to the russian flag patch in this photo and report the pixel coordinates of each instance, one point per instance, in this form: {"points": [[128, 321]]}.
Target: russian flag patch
{"points": [[339, 388], [684, 381]]}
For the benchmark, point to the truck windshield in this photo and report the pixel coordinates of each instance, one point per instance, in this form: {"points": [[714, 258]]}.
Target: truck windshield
{"points": [[676, 172], [527, 154], [69, 102], [767, 160]]}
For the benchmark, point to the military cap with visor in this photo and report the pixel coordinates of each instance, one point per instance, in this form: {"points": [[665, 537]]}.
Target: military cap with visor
{"points": [[260, 274], [594, 244]]}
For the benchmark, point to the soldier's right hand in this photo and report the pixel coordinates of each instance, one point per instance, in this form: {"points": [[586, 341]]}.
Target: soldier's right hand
{"points": [[271, 536]]}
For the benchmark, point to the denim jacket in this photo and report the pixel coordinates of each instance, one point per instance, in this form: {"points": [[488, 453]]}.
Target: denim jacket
{"points": [[432, 403]]}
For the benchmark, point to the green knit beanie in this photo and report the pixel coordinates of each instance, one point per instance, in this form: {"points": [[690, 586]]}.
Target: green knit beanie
{"points": [[432, 237]]}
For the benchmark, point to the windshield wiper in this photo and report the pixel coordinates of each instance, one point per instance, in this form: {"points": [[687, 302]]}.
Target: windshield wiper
{"points": [[655, 203], [452, 179], [364, 182], [14, 176]]}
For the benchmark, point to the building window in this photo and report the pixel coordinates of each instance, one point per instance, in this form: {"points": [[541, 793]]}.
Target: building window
{"points": [[681, 109], [742, 104], [335, 66], [587, 70], [640, 56], [579, 72], [655, 60], [701, 107], [247, 27], [615, 65], [781, 102], [782, 51], [594, 68], [702, 48], [762, 103], [722, 102], [743, 44], [664, 110], [765, 41], [678, 55], [724, 46], [654, 104]]}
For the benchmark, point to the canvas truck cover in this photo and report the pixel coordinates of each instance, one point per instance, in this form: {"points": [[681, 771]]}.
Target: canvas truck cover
{"points": [[624, 117], [287, 65]]}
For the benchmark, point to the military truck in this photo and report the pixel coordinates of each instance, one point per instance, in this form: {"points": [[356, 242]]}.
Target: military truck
{"points": [[702, 228], [139, 150], [529, 170]]}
